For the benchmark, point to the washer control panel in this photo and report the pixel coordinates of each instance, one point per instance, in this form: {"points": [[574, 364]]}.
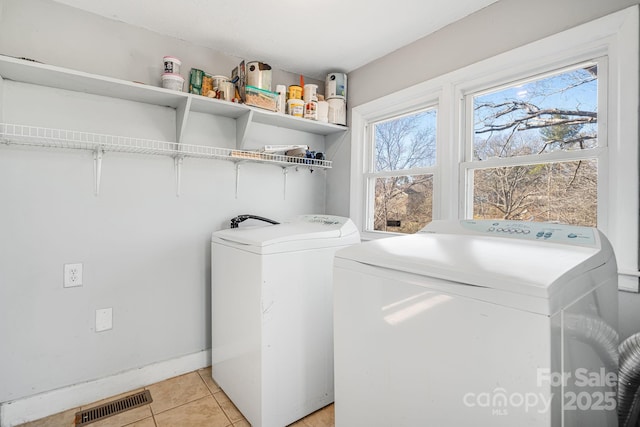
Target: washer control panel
{"points": [[557, 233], [323, 219], [342, 225]]}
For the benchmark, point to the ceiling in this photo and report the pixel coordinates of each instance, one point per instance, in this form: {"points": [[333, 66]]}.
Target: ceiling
{"points": [[301, 36]]}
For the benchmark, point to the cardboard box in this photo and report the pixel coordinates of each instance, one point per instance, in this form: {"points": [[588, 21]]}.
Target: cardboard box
{"points": [[195, 81], [240, 72]]}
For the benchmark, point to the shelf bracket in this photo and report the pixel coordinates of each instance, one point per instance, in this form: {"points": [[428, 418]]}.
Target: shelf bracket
{"points": [[177, 161], [285, 172], [1, 98], [237, 178], [182, 113], [97, 169], [243, 123]]}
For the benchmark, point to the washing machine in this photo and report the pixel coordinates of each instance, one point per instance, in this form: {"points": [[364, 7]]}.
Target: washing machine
{"points": [[272, 318], [477, 323]]}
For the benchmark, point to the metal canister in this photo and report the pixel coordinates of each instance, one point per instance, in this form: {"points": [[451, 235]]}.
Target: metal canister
{"points": [[259, 75]]}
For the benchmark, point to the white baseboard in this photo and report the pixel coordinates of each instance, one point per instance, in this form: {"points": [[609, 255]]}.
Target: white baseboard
{"points": [[54, 401]]}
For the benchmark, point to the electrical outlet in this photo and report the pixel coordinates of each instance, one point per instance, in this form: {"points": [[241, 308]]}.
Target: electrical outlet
{"points": [[72, 275], [104, 319]]}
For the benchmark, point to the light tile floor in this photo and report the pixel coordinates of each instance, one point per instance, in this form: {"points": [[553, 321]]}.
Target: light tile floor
{"points": [[189, 400]]}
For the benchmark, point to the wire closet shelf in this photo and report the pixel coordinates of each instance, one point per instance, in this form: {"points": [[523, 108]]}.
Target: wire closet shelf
{"points": [[69, 139]]}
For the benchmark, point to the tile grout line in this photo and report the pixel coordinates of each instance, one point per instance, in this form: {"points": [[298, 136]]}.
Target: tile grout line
{"points": [[180, 406], [213, 395], [153, 414], [232, 423]]}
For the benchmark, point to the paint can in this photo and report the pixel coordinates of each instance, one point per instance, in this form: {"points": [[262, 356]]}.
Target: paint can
{"points": [[259, 75], [337, 111], [295, 92], [310, 93], [281, 100], [336, 86], [311, 109], [295, 107], [171, 64]]}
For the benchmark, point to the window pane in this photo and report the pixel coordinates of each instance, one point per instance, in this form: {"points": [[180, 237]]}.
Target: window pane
{"points": [[563, 192], [406, 142], [553, 113], [403, 204]]}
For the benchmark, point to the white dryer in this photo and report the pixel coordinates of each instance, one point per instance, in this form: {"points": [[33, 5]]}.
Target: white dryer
{"points": [[483, 323], [271, 313]]}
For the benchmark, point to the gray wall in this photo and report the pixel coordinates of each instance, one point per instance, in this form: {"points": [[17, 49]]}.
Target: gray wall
{"points": [[500, 27], [145, 252], [60, 35]]}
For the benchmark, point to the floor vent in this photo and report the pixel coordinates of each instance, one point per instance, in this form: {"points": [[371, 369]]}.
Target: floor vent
{"points": [[115, 407]]}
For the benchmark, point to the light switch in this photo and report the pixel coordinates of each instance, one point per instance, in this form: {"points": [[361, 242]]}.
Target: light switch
{"points": [[104, 319]]}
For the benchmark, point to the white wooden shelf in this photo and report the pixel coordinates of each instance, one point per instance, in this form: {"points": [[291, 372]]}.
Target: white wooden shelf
{"points": [[25, 71]]}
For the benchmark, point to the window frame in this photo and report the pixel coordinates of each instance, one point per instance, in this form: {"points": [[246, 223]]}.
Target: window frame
{"points": [[467, 165], [614, 37], [370, 174]]}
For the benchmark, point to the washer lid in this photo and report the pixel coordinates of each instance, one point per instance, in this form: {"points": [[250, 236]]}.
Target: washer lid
{"points": [[522, 266], [303, 232]]}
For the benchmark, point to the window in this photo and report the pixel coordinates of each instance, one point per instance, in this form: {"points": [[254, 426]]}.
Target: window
{"points": [[545, 132], [401, 172], [534, 149]]}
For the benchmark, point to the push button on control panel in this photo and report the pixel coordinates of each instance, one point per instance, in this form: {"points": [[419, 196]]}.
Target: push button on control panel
{"points": [[509, 230]]}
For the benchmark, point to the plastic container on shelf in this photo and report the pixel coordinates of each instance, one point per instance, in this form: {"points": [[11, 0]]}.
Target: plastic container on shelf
{"points": [[337, 111], [261, 98], [281, 102], [295, 92], [295, 107], [171, 64], [217, 80], [323, 111], [226, 90], [311, 110], [172, 81], [310, 93], [336, 86]]}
